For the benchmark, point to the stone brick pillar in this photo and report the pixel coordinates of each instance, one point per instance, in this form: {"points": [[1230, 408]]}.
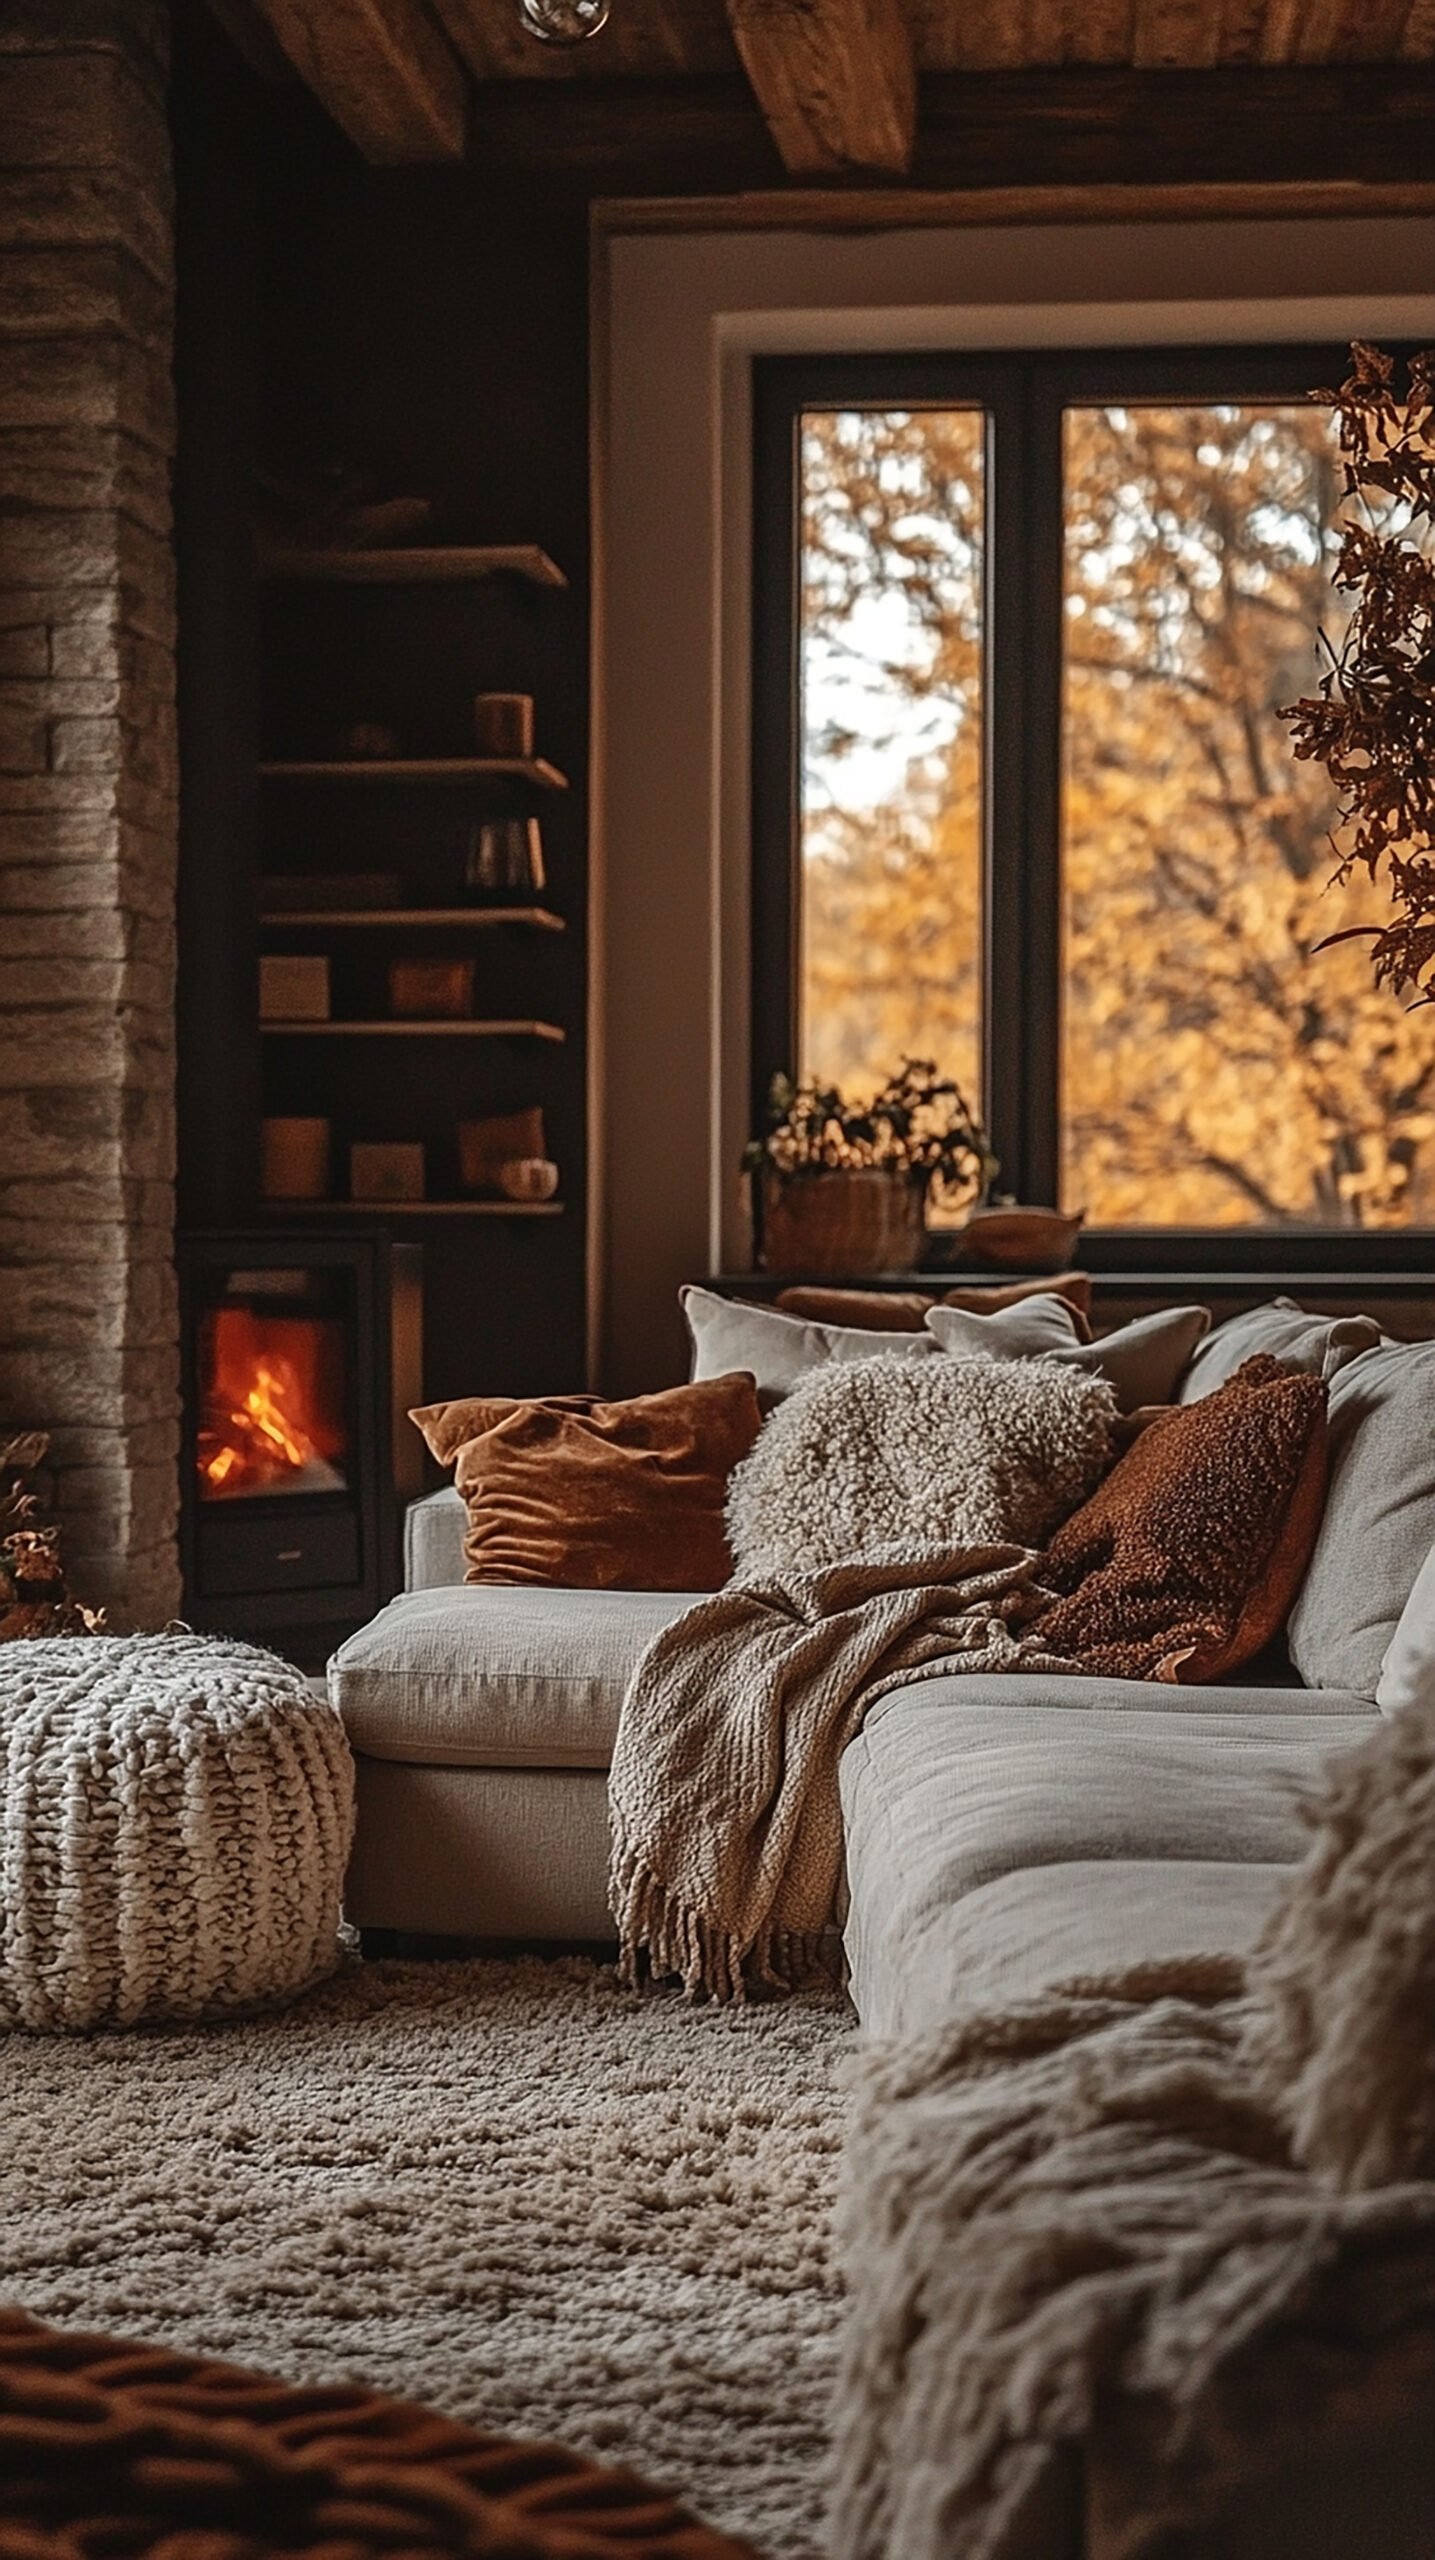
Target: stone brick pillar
{"points": [[88, 1329]]}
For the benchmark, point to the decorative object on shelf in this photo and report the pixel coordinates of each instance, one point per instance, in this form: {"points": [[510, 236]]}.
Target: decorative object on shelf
{"points": [[334, 505], [431, 990], [368, 740], [486, 1146], [300, 892], [1009, 1238], [528, 1178], [1373, 724], [563, 22], [385, 1170], [503, 724], [294, 1159], [293, 986], [840, 1187], [506, 853], [34, 1596]]}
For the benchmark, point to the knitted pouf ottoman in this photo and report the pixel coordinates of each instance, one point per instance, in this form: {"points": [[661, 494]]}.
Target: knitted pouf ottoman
{"points": [[127, 2450], [175, 1819]]}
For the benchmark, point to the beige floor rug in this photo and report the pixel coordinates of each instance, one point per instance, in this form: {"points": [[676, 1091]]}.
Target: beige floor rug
{"points": [[509, 2189]]}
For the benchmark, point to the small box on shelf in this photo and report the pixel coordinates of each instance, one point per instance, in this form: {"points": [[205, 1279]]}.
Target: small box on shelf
{"points": [[431, 990], [293, 986], [294, 1159], [486, 1146], [385, 1170]]}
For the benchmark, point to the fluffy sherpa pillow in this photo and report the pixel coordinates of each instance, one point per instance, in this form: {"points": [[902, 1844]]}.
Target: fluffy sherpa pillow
{"points": [[891, 1452]]}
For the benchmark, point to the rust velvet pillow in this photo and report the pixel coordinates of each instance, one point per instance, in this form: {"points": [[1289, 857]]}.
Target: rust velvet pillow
{"points": [[1187, 1559], [586, 1496]]}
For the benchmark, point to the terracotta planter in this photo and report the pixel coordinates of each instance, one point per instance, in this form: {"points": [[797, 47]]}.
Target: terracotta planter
{"points": [[834, 1225]]}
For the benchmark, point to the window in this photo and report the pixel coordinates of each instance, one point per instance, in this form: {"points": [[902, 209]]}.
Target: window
{"points": [[1024, 802]]}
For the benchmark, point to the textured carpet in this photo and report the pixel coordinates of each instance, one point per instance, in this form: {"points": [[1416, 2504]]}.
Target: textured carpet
{"points": [[511, 2190]]}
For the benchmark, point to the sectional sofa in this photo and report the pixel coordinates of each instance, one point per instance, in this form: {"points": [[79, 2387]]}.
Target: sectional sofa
{"points": [[1002, 1833]]}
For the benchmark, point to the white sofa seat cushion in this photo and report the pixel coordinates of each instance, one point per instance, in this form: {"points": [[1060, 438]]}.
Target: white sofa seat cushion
{"points": [[960, 1785], [493, 1676]]}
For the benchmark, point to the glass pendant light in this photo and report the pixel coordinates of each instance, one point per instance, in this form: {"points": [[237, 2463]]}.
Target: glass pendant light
{"points": [[563, 21]]}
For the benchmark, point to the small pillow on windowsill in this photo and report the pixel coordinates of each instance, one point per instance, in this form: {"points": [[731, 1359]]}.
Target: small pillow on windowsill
{"points": [[582, 1495]]}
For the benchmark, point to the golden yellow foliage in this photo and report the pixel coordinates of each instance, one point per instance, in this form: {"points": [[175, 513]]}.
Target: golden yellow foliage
{"points": [[1217, 1069]]}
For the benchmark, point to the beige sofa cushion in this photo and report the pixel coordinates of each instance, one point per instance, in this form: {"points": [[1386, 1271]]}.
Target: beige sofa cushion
{"points": [[1118, 1819], [1320, 1345], [777, 1350], [1379, 1523], [491, 1676]]}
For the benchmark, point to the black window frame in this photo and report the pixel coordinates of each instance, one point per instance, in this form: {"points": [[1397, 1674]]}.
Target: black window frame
{"points": [[1024, 396]]}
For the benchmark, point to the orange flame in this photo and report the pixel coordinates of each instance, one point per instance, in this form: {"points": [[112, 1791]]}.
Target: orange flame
{"points": [[264, 1414]]}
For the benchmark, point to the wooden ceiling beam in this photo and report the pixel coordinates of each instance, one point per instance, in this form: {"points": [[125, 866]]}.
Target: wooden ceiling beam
{"points": [[835, 79], [384, 72]]}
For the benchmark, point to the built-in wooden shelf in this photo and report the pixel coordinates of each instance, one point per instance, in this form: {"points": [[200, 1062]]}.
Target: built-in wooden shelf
{"points": [[463, 1029], [443, 564], [418, 1208], [535, 769], [540, 919]]}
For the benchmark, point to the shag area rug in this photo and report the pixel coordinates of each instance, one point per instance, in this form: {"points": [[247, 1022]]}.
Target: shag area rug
{"points": [[515, 2191]]}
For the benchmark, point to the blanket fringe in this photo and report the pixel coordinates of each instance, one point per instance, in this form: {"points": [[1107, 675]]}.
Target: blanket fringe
{"points": [[661, 1936]]}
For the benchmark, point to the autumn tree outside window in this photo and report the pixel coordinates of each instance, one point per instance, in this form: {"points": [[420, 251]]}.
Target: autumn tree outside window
{"points": [[1024, 801]]}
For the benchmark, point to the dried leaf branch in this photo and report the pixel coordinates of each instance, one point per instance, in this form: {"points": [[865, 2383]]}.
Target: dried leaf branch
{"points": [[1372, 725]]}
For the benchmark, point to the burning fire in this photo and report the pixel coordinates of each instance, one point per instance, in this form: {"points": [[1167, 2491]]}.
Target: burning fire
{"points": [[268, 1424]]}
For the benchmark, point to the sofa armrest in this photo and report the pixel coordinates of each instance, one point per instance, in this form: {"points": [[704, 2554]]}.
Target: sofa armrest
{"points": [[433, 1541]]}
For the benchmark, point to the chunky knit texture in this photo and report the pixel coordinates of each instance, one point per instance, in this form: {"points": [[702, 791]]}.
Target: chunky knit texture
{"points": [[177, 1819], [119, 2447]]}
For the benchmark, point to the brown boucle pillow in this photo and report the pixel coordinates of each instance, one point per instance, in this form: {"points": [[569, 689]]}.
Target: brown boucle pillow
{"points": [[581, 1495], [1187, 1559]]}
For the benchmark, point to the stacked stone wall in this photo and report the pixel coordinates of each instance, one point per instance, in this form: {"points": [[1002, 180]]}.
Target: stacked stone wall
{"points": [[88, 783]]}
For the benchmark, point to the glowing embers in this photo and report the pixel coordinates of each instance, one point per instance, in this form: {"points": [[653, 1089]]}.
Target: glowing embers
{"points": [[273, 1408]]}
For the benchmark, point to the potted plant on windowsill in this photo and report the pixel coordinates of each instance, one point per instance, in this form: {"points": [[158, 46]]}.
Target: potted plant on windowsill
{"points": [[841, 1188]]}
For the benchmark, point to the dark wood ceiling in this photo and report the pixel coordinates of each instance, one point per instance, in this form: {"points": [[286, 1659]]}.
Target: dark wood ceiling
{"points": [[837, 81]]}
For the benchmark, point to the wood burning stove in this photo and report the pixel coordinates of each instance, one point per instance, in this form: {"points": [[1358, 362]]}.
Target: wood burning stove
{"points": [[302, 1354]]}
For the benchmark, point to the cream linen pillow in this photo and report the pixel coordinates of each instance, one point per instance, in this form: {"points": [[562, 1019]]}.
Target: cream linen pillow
{"points": [[1020, 1332], [777, 1350], [1142, 1360], [1407, 1675], [1379, 1524], [1318, 1345]]}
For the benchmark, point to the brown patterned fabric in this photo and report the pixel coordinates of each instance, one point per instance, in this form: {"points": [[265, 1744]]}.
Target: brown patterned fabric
{"points": [[580, 1495], [1186, 1561], [904, 1311], [111, 2452]]}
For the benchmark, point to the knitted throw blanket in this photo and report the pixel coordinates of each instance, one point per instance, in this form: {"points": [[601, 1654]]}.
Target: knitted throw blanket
{"points": [[1049, 2205], [1204, 2196], [726, 1827]]}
